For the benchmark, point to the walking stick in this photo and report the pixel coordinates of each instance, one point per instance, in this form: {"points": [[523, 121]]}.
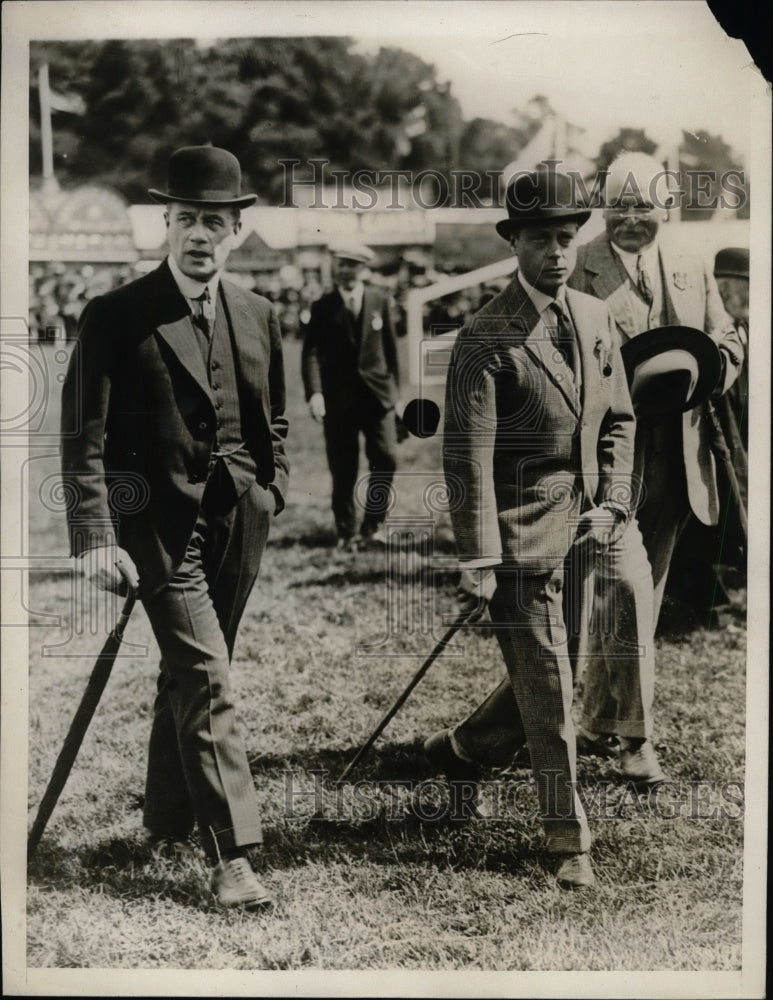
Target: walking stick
{"points": [[452, 630], [720, 449], [80, 723]]}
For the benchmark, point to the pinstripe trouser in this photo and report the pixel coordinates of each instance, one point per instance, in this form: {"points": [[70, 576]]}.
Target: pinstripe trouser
{"points": [[197, 764], [527, 614]]}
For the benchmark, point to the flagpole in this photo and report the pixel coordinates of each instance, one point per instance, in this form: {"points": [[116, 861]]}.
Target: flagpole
{"points": [[46, 136]]}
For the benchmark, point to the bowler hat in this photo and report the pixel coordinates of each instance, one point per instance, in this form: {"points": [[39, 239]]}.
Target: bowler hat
{"points": [[351, 250], [670, 369], [732, 262], [204, 175], [540, 196]]}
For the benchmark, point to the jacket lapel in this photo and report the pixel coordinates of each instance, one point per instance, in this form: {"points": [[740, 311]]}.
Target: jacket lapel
{"points": [[609, 283], [247, 354], [539, 344], [176, 329], [589, 354], [673, 287]]}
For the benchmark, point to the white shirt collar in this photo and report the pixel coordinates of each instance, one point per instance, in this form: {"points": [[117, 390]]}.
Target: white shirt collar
{"points": [[539, 299], [191, 288], [649, 257]]}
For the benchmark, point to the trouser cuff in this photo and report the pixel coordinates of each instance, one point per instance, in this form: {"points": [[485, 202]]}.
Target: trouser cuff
{"points": [[636, 728], [218, 842]]}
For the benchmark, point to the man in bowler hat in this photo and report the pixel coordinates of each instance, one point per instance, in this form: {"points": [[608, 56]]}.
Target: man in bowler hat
{"points": [[539, 433], [351, 377], [177, 389]]}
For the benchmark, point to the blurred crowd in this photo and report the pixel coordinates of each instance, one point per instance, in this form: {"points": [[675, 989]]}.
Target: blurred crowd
{"points": [[58, 293]]}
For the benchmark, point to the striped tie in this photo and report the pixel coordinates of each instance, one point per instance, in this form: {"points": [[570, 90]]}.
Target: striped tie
{"points": [[565, 335], [204, 317], [643, 280]]}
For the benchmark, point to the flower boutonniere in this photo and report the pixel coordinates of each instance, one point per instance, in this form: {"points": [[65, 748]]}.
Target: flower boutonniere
{"points": [[377, 322], [604, 356]]}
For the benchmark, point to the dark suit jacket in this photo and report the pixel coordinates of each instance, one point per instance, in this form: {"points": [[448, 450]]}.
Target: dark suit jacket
{"points": [[137, 389], [524, 451], [337, 348], [691, 298]]}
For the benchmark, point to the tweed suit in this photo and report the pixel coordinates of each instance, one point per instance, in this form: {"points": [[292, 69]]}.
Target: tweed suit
{"points": [[353, 362], [528, 446], [148, 402]]}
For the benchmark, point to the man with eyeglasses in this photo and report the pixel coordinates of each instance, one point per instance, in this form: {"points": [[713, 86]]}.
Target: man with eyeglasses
{"points": [[646, 285]]}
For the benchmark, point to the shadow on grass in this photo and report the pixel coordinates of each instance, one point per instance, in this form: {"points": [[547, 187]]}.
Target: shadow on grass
{"points": [[392, 761], [325, 538], [396, 837], [122, 867], [125, 869], [345, 578]]}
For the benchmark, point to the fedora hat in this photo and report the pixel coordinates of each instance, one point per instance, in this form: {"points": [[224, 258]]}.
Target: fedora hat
{"points": [[670, 369], [204, 175], [540, 196]]}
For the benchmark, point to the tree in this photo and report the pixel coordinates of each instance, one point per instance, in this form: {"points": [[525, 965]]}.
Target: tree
{"points": [[487, 146], [627, 140], [704, 159], [265, 99]]}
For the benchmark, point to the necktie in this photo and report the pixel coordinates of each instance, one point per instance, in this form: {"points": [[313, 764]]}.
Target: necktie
{"points": [[564, 337], [351, 304], [643, 280], [204, 317]]}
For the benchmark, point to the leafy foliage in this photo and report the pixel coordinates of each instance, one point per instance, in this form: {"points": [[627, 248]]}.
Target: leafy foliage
{"points": [[266, 100]]}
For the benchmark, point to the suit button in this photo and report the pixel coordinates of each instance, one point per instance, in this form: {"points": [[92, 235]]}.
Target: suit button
{"points": [[195, 478], [202, 426]]}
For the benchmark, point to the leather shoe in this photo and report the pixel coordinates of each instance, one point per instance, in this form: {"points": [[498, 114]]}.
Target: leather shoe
{"points": [[574, 871], [234, 883], [603, 746], [462, 776], [640, 765]]}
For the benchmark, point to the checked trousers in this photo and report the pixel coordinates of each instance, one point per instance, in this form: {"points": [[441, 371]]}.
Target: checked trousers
{"points": [[535, 705], [197, 764]]}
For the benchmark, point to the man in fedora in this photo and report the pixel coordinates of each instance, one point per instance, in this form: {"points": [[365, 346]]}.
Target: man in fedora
{"points": [[351, 377], [538, 442], [177, 388]]}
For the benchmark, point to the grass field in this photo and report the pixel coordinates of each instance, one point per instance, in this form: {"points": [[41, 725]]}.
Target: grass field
{"points": [[364, 879]]}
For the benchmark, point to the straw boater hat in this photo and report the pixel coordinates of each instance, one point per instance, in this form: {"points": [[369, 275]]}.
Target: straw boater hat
{"points": [[204, 175], [670, 369]]}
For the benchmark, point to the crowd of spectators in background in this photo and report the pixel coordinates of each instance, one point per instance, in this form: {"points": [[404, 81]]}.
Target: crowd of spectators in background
{"points": [[58, 293]]}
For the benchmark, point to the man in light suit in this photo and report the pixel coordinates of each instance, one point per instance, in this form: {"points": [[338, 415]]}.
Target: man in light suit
{"points": [[177, 388], [646, 286], [539, 434], [351, 377]]}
